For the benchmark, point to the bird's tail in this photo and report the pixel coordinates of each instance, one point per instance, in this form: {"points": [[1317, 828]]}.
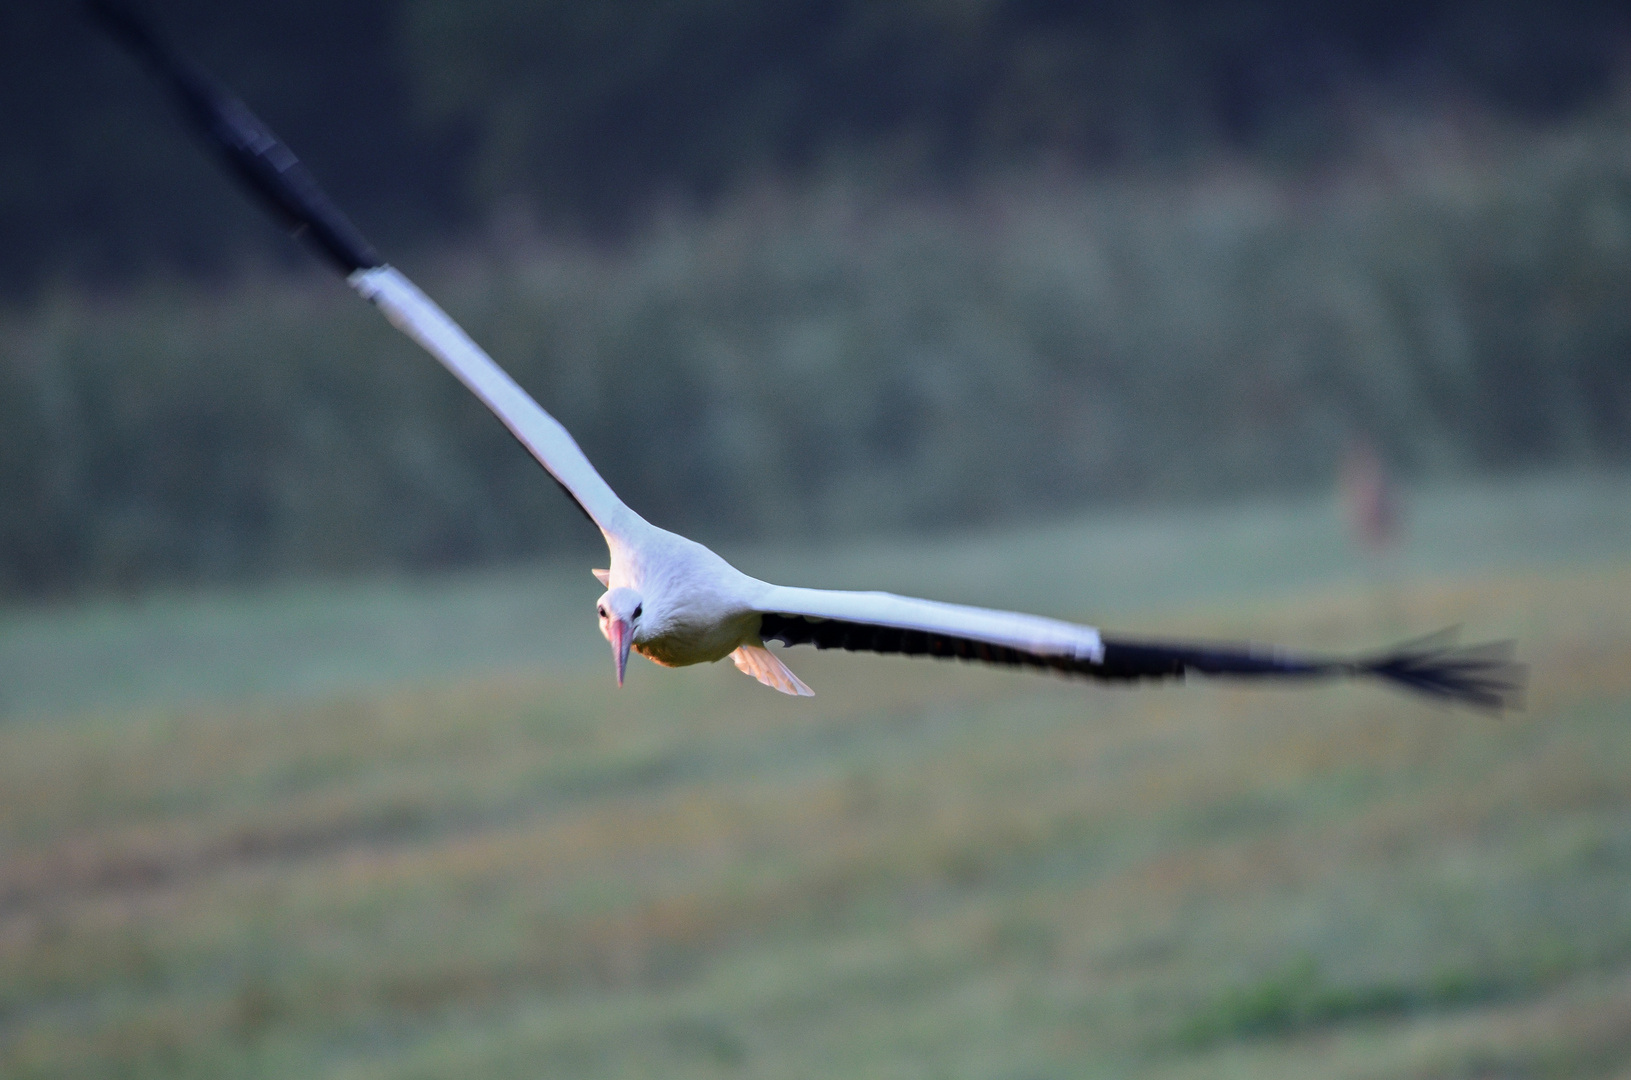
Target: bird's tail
{"points": [[764, 665]]}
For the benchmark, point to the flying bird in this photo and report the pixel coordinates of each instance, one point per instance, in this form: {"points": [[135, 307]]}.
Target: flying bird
{"points": [[676, 602]]}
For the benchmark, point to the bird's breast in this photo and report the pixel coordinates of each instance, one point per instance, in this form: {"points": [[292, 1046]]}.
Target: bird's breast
{"points": [[699, 641]]}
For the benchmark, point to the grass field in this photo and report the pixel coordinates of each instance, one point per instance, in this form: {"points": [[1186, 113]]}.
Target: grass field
{"points": [[293, 844]]}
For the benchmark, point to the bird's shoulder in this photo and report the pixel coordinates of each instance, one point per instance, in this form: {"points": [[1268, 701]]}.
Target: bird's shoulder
{"points": [[665, 564]]}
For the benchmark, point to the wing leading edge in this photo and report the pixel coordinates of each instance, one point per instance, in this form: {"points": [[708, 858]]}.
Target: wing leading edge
{"points": [[420, 318], [884, 622]]}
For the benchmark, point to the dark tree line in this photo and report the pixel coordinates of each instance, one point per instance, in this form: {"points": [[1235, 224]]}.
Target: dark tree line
{"points": [[422, 114]]}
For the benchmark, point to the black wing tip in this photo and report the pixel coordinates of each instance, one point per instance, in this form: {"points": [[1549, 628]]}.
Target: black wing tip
{"points": [[262, 161], [123, 20], [1484, 676], [133, 26]]}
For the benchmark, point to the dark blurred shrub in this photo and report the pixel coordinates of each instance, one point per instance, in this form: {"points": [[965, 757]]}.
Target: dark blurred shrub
{"points": [[423, 115], [590, 110], [812, 362]]}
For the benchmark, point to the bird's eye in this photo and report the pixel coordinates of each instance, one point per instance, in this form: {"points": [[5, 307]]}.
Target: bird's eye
{"points": [[602, 612], [637, 609]]}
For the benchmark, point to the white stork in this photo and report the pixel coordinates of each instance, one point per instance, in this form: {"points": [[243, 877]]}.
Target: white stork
{"points": [[673, 600]]}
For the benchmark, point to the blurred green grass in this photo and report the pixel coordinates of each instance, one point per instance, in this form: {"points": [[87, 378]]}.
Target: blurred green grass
{"points": [[512, 869], [1117, 568]]}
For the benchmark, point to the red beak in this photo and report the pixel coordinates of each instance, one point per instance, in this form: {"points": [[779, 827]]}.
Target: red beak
{"points": [[622, 638]]}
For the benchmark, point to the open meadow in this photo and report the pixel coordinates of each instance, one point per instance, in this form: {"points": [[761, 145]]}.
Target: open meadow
{"points": [[389, 829]]}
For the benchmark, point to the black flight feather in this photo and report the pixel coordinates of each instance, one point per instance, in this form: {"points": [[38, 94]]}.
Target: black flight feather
{"points": [[257, 156], [1483, 676]]}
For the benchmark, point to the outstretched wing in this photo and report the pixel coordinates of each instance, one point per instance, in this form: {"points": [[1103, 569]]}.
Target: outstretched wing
{"points": [[1482, 676], [886, 623], [272, 173], [418, 316]]}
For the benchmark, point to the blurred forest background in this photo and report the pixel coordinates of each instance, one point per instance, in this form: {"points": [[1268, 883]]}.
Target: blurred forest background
{"points": [[815, 268]]}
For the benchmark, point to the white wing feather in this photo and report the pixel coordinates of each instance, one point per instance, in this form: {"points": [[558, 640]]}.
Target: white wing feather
{"points": [[1030, 633], [418, 316]]}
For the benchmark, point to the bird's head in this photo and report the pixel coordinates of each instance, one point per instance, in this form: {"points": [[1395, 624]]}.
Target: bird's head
{"points": [[620, 610]]}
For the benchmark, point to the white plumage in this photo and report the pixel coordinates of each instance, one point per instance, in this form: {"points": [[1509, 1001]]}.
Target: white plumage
{"points": [[677, 603]]}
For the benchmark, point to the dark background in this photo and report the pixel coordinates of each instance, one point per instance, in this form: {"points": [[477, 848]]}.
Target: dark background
{"points": [[422, 115]]}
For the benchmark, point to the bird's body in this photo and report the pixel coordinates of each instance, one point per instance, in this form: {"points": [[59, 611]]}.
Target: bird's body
{"points": [[698, 608], [673, 600], [689, 606]]}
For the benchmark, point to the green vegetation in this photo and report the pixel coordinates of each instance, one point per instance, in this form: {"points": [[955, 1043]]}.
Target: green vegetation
{"points": [[927, 869], [1298, 998], [819, 365], [422, 114]]}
